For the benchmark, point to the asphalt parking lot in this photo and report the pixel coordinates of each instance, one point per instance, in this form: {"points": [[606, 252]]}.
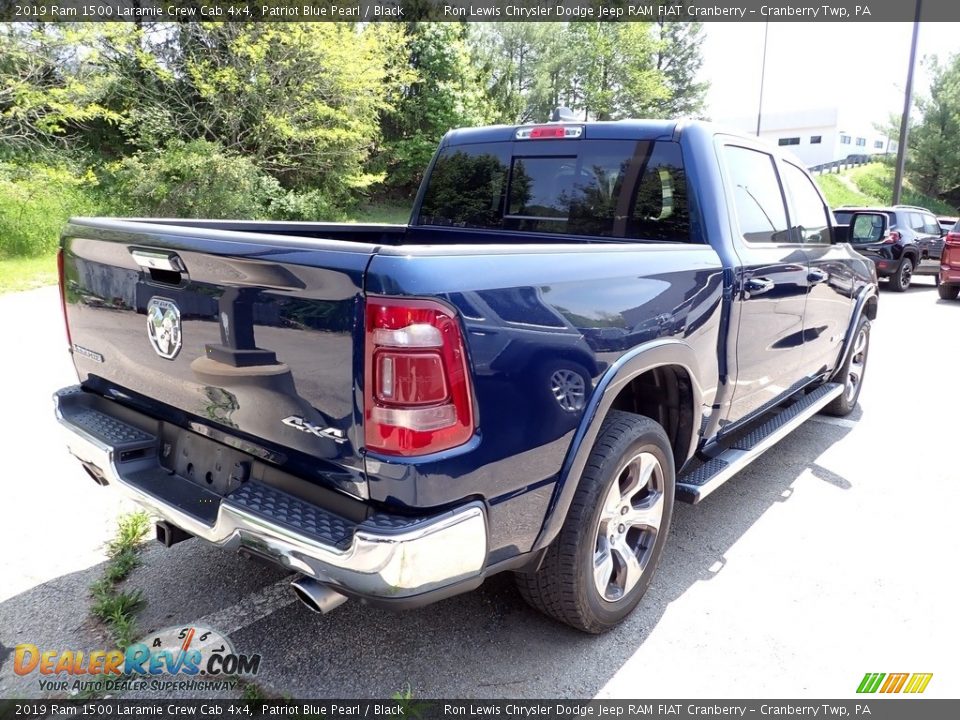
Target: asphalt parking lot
{"points": [[834, 555]]}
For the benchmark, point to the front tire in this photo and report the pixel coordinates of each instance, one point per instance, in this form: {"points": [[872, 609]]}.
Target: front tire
{"points": [[948, 292], [900, 280], [852, 372], [599, 566]]}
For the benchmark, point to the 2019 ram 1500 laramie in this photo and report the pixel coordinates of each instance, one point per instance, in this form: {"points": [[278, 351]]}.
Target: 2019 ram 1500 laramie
{"points": [[581, 324]]}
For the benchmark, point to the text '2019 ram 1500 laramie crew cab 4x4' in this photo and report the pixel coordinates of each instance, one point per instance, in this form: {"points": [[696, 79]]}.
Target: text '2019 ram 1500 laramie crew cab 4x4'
{"points": [[581, 323]]}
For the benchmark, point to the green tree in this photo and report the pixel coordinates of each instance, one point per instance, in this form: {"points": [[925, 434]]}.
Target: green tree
{"points": [[51, 89], [515, 62], [934, 156], [678, 57], [614, 77], [557, 74], [441, 91], [302, 99]]}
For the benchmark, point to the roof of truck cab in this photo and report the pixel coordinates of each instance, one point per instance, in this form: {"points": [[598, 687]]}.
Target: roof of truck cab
{"points": [[611, 130], [604, 130]]}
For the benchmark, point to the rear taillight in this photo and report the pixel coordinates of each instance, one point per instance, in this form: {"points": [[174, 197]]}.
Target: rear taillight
{"points": [[952, 238], [891, 239], [63, 296], [417, 397]]}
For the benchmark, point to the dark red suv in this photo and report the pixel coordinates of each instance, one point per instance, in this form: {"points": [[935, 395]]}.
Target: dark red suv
{"points": [[950, 265]]}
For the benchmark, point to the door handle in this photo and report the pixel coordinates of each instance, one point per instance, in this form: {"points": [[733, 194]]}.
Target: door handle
{"points": [[817, 276], [757, 286], [158, 260]]}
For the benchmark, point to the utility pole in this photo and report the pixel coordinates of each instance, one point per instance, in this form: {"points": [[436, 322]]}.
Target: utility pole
{"points": [[763, 71], [905, 118]]}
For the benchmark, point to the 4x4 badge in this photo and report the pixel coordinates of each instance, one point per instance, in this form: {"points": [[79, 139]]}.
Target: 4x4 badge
{"points": [[163, 327], [298, 423]]}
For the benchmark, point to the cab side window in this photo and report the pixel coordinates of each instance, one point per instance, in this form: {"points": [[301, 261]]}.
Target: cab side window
{"points": [[930, 225], [761, 210], [810, 224]]}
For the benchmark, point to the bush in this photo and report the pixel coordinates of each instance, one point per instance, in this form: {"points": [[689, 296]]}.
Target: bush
{"points": [[35, 203], [198, 179], [310, 205]]}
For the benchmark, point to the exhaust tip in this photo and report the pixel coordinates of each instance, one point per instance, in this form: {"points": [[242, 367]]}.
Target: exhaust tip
{"points": [[318, 598], [94, 472]]}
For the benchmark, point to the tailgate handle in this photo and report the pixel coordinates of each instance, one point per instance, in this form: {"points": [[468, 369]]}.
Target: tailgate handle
{"points": [[158, 260]]}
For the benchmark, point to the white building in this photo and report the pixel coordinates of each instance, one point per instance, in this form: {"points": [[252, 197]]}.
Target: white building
{"points": [[817, 136]]}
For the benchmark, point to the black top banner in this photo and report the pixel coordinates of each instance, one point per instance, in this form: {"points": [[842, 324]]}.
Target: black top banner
{"points": [[863, 708], [474, 11]]}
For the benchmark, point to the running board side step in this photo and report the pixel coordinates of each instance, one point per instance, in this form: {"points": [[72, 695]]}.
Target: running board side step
{"points": [[694, 486]]}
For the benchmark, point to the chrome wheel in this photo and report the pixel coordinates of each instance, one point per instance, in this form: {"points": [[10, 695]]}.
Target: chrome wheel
{"points": [[630, 521], [569, 389], [858, 363]]}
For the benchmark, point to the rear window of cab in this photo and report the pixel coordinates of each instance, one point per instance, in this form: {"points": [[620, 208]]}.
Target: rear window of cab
{"points": [[603, 188]]}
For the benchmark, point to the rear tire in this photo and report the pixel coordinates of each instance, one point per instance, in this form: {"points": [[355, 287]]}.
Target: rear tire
{"points": [[852, 372], [601, 563], [948, 292], [900, 280]]}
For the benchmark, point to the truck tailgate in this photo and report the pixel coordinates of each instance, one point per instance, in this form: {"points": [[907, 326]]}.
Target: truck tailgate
{"points": [[246, 337]]}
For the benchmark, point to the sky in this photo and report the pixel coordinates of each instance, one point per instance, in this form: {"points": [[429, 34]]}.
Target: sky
{"points": [[860, 68]]}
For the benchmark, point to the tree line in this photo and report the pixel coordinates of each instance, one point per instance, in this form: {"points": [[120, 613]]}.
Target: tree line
{"points": [[933, 154], [299, 120]]}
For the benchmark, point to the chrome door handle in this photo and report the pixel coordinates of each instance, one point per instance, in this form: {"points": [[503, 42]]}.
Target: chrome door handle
{"points": [[757, 286], [158, 260]]}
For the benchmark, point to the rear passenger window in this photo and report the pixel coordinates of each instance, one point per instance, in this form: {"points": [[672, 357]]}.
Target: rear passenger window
{"points": [[761, 212], [466, 189], [810, 224], [916, 221], [930, 225]]}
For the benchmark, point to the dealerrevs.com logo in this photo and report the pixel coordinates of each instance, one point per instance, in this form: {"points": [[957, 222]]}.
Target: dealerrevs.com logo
{"points": [[894, 682], [176, 658]]}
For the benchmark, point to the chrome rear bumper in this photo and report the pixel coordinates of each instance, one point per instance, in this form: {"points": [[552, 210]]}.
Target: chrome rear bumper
{"points": [[387, 556]]}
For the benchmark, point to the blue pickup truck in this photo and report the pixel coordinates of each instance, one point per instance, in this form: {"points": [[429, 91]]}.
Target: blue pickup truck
{"points": [[581, 324]]}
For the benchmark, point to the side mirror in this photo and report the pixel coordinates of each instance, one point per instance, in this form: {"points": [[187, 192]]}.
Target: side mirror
{"points": [[868, 227]]}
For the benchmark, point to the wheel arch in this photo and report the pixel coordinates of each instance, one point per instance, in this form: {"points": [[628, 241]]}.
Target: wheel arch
{"points": [[671, 365], [866, 306]]}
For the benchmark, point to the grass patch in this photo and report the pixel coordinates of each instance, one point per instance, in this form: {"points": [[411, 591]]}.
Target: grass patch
{"points": [[130, 531], [873, 185], [409, 705], [27, 273], [840, 193], [35, 202], [252, 692], [876, 180], [115, 608]]}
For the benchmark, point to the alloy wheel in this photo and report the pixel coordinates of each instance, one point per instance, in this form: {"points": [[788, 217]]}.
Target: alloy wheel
{"points": [[569, 388], [906, 273], [630, 521], [858, 364]]}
